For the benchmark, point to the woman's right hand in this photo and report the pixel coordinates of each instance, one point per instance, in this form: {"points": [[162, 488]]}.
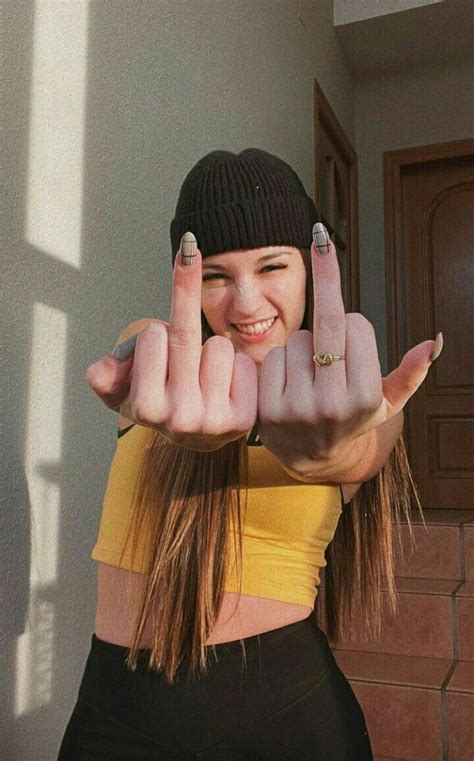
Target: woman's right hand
{"points": [[199, 397]]}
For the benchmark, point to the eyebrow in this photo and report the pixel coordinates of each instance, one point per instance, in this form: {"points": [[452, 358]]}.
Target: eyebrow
{"points": [[264, 258]]}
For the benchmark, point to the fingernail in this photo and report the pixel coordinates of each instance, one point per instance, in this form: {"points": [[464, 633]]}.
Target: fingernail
{"points": [[187, 249], [125, 350], [437, 347], [321, 238]]}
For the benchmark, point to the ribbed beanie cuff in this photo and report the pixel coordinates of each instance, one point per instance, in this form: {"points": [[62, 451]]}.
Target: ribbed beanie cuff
{"points": [[240, 201]]}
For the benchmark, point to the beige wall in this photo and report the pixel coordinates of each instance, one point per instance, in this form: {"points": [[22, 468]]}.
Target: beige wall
{"points": [[111, 104]]}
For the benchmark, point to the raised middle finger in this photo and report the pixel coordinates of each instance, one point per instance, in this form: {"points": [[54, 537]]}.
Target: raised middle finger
{"points": [[184, 330], [329, 320]]}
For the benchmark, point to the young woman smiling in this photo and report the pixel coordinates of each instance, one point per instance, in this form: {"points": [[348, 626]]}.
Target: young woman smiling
{"points": [[257, 443]]}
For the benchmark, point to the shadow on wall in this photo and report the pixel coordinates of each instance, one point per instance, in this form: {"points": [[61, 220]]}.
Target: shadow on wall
{"points": [[50, 474]]}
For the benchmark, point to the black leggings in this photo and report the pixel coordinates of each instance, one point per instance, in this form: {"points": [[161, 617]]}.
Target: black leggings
{"points": [[291, 702]]}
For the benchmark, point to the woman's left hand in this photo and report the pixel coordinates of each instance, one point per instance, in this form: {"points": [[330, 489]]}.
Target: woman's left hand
{"points": [[310, 411]]}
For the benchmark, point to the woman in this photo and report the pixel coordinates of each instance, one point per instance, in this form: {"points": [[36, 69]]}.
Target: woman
{"points": [[206, 644]]}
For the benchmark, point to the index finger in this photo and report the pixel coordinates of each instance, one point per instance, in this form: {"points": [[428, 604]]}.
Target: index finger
{"points": [[184, 330], [329, 319]]}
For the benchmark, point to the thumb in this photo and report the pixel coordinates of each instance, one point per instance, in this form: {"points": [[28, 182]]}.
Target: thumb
{"points": [[109, 378], [399, 385]]}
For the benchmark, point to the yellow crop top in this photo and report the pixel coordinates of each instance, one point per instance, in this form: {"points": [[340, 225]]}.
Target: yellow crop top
{"points": [[286, 528]]}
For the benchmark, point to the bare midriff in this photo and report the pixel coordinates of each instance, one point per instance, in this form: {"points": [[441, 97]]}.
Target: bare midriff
{"points": [[118, 596]]}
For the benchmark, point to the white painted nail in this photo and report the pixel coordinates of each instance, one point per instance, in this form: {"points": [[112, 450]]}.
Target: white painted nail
{"points": [[187, 249], [321, 238], [437, 347]]}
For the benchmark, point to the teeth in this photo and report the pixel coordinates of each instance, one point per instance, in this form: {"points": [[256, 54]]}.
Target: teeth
{"points": [[258, 327]]}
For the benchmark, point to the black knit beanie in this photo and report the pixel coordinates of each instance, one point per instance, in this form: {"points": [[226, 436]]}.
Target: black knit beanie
{"points": [[247, 200]]}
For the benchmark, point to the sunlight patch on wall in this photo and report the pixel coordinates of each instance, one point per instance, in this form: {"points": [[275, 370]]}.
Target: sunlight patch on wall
{"points": [[43, 468], [56, 131]]}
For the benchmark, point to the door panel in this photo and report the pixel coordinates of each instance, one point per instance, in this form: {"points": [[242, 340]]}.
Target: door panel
{"points": [[435, 292]]}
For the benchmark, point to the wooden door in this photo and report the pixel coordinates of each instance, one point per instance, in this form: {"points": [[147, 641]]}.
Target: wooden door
{"points": [[335, 193], [430, 288]]}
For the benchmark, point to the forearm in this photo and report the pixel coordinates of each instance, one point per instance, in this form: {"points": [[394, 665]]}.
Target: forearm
{"points": [[356, 463]]}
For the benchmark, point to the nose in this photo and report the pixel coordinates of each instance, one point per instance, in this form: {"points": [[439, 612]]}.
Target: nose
{"points": [[246, 301]]}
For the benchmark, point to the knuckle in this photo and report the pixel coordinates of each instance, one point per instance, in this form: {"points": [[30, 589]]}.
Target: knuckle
{"points": [[182, 335], [333, 414], [275, 352], [245, 361], [358, 320], [184, 424], [330, 321], [219, 344], [177, 342], [302, 334], [246, 420], [100, 381], [214, 427], [300, 337], [356, 317], [154, 330], [365, 404], [91, 376], [144, 411], [299, 409], [369, 402]]}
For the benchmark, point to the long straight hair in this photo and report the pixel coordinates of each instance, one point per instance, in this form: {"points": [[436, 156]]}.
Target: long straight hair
{"points": [[188, 505]]}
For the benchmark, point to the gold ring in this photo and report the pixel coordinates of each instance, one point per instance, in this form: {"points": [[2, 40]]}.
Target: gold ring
{"points": [[324, 358]]}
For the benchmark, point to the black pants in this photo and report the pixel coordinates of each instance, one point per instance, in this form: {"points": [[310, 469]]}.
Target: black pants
{"points": [[291, 702]]}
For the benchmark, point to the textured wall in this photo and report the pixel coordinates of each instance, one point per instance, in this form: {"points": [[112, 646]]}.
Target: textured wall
{"points": [[111, 103]]}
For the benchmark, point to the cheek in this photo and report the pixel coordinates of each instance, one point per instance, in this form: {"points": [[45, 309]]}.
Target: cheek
{"points": [[213, 305], [296, 299], [294, 293]]}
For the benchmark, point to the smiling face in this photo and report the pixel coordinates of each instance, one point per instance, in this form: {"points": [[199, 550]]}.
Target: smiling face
{"points": [[243, 288]]}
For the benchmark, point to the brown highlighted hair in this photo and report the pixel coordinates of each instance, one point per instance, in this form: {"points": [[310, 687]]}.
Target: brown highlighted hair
{"points": [[191, 503]]}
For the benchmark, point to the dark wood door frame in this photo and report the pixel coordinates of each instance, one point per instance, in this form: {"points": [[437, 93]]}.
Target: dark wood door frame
{"points": [[325, 118]]}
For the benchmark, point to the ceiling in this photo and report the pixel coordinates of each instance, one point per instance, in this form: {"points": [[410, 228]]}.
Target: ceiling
{"points": [[430, 35]]}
